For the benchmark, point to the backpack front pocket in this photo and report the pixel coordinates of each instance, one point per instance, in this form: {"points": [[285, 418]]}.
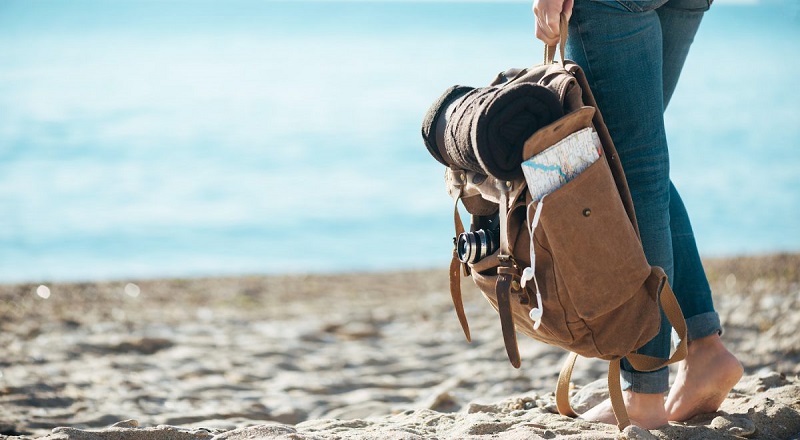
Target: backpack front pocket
{"points": [[593, 243]]}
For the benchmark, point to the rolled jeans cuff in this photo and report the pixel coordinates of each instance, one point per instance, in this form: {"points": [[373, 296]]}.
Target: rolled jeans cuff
{"points": [[654, 382], [704, 324]]}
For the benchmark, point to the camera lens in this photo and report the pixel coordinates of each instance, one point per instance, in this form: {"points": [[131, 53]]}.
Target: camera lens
{"points": [[463, 248], [476, 245]]}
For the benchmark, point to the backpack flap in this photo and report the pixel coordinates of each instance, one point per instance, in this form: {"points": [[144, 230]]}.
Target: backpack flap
{"points": [[558, 130]]}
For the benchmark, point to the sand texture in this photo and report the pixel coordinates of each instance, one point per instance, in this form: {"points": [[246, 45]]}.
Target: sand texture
{"points": [[355, 356]]}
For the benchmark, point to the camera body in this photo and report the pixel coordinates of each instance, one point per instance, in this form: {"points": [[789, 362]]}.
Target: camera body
{"points": [[484, 240]]}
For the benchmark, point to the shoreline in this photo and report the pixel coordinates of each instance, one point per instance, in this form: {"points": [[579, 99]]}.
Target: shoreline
{"points": [[297, 355]]}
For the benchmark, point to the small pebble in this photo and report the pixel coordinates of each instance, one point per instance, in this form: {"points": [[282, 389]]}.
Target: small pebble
{"points": [[634, 432], [130, 423]]}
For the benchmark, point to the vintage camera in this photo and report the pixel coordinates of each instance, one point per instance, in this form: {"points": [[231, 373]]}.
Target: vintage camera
{"points": [[474, 246]]}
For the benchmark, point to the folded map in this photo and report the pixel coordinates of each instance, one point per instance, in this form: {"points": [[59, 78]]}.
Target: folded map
{"points": [[560, 163]]}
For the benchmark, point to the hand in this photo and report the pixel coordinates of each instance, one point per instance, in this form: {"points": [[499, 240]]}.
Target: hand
{"points": [[548, 18]]}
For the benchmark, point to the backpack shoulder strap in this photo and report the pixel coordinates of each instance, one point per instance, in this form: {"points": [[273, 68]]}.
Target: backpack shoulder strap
{"points": [[640, 362], [562, 389], [614, 391], [672, 310]]}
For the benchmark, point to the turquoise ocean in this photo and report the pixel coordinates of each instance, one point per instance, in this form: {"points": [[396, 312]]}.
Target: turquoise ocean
{"points": [[143, 139]]}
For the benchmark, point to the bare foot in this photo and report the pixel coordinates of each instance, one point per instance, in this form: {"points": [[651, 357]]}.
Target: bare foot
{"points": [[645, 410], [704, 379]]}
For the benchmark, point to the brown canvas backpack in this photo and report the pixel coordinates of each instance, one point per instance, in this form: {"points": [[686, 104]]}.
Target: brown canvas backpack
{"points": [[592, 292]]}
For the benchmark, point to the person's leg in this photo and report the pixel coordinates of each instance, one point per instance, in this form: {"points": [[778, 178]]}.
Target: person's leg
{"points": [[689, 281], [704, 328], [710, 370], [619, 46], [680, 20]]}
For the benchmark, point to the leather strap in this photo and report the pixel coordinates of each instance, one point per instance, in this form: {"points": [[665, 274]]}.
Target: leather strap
{"points": [[455, 263], [503, 292], [506, 273], [674, 315], [614, 391], [550, 51], [455, 294], [562, 389], [639, 361]]}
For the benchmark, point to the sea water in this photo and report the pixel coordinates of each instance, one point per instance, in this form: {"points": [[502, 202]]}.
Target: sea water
{"points": [[198, 138]]}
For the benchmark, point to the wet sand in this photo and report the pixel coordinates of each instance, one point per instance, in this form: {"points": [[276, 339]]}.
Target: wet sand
{"points": [[353, 356]]}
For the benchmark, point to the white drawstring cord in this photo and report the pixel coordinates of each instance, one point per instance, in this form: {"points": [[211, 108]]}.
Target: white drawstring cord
{"points": [[530, 272]]}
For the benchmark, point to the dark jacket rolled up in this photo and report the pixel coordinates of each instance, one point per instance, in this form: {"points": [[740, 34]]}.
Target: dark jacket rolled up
{"points": [[484, 129]]}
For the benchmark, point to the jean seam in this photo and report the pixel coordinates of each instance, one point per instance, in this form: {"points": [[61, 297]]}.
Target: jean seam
{"points": [[626, 6], [621, 3], [583, 49]]}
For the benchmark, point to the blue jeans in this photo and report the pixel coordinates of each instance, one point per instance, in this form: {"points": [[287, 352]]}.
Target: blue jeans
{"points": [[632, 52]]}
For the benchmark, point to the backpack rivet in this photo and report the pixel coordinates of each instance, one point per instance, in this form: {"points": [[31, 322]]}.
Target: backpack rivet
{"points": [[515, 285], [508, 184], [587, 212]]}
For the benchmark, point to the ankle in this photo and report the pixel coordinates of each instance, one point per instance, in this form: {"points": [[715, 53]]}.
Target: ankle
{"points": [[646, 410], [642, 400], [711, 342], [710, 352]]}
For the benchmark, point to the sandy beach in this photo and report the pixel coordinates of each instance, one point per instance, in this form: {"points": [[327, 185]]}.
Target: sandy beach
{"points": [[352, 356]]}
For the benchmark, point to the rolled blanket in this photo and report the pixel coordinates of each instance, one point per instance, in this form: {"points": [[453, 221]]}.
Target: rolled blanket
{"points": [[485, 129], [460, 124], [436, 117], [506, 120]]}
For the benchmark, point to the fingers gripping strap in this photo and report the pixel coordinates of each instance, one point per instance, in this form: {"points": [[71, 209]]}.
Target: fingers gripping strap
{"points": [[615, 393], [550, 51], [675, 317], [562, 389], [455, 275]]}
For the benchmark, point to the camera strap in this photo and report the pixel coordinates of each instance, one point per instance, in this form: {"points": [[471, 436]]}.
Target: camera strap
{"points": [[456, 266]]}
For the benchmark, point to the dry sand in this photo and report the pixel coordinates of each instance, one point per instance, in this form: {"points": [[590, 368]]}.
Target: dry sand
{"points": [[356, 356]]}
